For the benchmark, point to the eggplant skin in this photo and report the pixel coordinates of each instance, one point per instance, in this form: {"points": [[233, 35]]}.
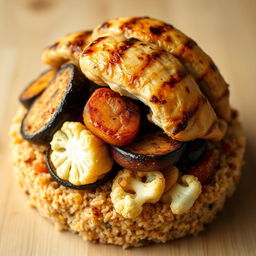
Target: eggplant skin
{"points": [[193, 153], [108, 176], [140, 162], [70, 107], [27, 98]]}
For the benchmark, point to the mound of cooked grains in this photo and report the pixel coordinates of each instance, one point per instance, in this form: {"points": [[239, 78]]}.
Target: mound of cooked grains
{"points": [[91, 213]]}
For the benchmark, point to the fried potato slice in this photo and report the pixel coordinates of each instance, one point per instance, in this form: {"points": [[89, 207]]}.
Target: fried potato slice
{"points": [[113, 118]]}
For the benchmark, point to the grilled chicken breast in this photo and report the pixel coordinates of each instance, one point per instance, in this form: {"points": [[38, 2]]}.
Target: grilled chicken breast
{"points": [[68, 48], [144, 71], [194, 59]]}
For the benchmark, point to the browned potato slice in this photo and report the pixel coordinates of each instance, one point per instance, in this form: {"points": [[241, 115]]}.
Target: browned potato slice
{"points": [[111, 117]]}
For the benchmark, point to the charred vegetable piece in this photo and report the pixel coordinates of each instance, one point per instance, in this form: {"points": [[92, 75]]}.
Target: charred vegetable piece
{"points": [[111, 117], [205, 168], [153, 150], [62, 100], [193, 153], [35, 88], [106, 177]]}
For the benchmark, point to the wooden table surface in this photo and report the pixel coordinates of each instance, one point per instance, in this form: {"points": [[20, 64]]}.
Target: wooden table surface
{"points": [[226, 30]]}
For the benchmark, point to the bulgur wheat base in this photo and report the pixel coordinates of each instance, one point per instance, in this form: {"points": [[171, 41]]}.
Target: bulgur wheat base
{"points": [[90, 213]]}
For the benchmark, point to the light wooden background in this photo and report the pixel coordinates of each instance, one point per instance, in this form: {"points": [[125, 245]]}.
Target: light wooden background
{"points": [[225, 29]]}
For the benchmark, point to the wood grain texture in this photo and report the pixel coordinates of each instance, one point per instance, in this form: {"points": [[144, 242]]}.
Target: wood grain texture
{"points": [[225, 29]]}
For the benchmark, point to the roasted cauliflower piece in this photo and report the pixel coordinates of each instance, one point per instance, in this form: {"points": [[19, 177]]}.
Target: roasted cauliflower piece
{"points": [[79, 156], [131, 190], [182, 197]]}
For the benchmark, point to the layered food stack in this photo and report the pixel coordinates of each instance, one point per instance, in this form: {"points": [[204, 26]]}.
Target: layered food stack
{"points": [[129, 137]]}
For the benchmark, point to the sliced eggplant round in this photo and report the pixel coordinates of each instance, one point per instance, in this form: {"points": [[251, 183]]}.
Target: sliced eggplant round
{"points": [[35, 88], [152, 151], [193, 153], [108, 176], [62, 100]]}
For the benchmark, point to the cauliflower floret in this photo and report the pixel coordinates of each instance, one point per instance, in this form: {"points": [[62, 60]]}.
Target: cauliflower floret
{"points": [[182, 197], [78, 155], [131, 190]]}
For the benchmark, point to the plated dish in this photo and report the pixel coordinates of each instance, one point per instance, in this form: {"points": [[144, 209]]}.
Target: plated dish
{"points": [[128, 138]]}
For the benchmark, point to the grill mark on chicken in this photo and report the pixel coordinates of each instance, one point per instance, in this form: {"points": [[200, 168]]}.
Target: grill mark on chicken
{"points": [[131, 41], [87, 52], [154, 30], [181, 126], [77, 44], [115, 57], [187, 46], [175, 79], [117, 54], [211, 67], [150, 60], [168, 39], [84, 34], [190, 44], [98, 40], [158, 30], [90, 49], [154, 99]]}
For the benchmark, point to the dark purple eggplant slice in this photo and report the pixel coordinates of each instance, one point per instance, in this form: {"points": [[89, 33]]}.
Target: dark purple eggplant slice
{"points": [[35, 88], [63, 100], [193, 153], [152, 151], [108, 176]]}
